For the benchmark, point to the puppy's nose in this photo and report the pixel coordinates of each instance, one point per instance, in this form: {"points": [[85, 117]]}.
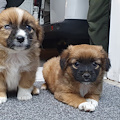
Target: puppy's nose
{"points": [[20, 39], [86, 76]]}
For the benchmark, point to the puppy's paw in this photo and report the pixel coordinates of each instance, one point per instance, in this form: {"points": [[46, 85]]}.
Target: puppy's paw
{"points": [[86, 106], [93, 102], [44, 86], [36, 91], [24, 94], [24, 97], [3, 99]]}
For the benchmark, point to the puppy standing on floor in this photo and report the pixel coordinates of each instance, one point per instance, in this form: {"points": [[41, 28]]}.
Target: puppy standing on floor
{"points": [[76, 76], [20, 38]]}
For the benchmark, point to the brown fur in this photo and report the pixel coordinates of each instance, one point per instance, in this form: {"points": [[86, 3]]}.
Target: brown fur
{"points": [[27, 72], [61, 81]]}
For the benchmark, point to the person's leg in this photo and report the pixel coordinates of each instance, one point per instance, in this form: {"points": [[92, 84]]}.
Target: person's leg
{"points": [[98, 20]]}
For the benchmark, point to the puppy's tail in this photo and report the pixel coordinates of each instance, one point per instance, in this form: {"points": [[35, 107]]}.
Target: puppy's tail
{"points": [[44, 86], [35, 91]]}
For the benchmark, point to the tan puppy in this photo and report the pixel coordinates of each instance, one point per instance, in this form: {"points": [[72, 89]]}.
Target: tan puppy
{"points": [[76, 77], [20, 38]]}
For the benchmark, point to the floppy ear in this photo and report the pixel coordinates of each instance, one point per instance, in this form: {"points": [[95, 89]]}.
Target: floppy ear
{"points": [[107, 64], [65, 56], [106, 60], [63, 59]]}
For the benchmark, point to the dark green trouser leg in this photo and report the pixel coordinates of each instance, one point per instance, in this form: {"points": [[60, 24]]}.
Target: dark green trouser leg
{"points": [[98, 20]]}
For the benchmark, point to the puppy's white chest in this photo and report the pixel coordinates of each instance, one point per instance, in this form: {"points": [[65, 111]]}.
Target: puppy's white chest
{"points": [[12, 78], [14, 65], [84, 89]]}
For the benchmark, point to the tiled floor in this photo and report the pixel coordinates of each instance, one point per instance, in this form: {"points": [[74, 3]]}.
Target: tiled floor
{"points": [[112, 82], [47, 54]]}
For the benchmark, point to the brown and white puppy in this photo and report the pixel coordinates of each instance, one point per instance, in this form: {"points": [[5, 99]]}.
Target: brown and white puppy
{"points": [[76, 76], [20, 38]]}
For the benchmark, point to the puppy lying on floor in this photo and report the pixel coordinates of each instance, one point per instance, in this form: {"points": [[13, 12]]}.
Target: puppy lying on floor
{"points": [[76, 76], [20, 38]]}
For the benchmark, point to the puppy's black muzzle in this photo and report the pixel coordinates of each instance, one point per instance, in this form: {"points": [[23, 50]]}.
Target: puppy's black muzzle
{"points": [[86, 76]]}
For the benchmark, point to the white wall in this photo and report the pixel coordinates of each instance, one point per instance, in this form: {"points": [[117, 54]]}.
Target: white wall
{"points": [[114, 44]]}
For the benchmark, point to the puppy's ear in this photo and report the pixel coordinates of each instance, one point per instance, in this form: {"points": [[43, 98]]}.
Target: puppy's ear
{"points": [[39, 32], [107, 64], [106, 60], [65, 57]]}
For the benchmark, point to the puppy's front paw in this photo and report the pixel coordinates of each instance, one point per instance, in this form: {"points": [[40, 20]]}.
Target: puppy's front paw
{"points": [[36, 91], [93, 102], [3, 99], [86, 106], [24, 94], [24, 97]]}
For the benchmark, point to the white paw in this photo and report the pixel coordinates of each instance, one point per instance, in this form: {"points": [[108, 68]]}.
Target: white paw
{"points": [[43, 87], [37, 91], [86, 106], [24, 97], [24, 94], [93, 102], [3, 99]]}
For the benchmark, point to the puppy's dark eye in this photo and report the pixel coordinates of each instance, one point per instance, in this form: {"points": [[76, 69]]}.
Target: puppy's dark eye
{"points": [[28, 27], [96, 65], [76, 64], [8, 27]]}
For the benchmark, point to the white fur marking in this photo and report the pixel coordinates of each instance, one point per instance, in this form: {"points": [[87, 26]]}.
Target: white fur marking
{"points": [[20, 14], [13, 78], [93, 102], [21, 33], [16, 62], [3, 99], [84, 89], [24, 94], [2, 68], [37, 91], [86, 106]]}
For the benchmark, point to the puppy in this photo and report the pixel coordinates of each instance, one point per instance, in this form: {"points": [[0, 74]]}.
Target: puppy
{"points": [[20, 38], [76, 76]]}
